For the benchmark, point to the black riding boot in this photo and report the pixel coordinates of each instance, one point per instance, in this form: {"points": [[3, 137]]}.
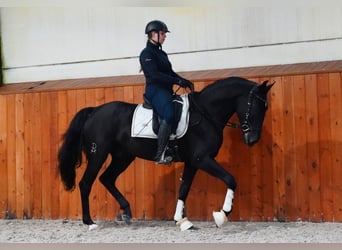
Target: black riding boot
{"points": [[163, 138]]}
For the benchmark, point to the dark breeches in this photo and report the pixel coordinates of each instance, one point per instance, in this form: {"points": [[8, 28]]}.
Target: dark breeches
{"points": [[161, 101]]}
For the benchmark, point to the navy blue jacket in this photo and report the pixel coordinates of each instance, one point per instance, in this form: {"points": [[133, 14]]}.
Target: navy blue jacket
{"points": [[157, 68], [160, 79]]}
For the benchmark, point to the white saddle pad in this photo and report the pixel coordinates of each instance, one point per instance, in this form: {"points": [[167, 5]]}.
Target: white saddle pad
{"points": [[142, 121]]}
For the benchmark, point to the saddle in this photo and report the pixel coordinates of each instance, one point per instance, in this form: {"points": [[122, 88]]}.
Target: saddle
{"points": [[145, 122], [178, 105]]}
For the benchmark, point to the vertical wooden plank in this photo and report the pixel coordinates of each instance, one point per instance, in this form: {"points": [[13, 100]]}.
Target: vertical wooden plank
{"points": [[277, 99], [149, 196], [325, 160], [170, 192], [5, 178], [266, 169], [138, 92], [11, 156], [243, 162], [54, 146], [20, 153], [63, 123], [140, 188], [267, 182], [312, 148], [46, 155], [109, 94], [300, 148], [28, 195], [336, 142], [290, 154], [49, 142], [159, 190], [36, 170], [255, 184], [119, 93]]}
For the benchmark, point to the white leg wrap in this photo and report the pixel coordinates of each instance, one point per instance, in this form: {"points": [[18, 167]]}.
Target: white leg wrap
{"points": [[92, 227], [220, 218], [228, 202], [179, 210], [184, 224]]}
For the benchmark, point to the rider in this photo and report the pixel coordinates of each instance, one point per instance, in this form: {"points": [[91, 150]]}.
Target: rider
{"points": [[160, 79]]}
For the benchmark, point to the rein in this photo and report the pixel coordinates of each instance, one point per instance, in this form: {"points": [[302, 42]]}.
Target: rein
{"points": [[208, 116], [245, 125]]}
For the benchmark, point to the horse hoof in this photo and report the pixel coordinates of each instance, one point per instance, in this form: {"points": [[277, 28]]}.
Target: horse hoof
{"points": [[125, 218], [220, 218], [92, 227], [184, 224]]}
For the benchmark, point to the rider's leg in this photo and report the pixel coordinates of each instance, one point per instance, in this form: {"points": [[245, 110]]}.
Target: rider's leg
{"points": [[163, 139]]}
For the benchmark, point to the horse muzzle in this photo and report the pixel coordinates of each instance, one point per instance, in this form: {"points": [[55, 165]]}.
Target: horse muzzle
{"points": [[250, 138]]}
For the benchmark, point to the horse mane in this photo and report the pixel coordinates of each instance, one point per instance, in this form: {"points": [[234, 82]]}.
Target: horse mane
{"points": [[217, 85]]}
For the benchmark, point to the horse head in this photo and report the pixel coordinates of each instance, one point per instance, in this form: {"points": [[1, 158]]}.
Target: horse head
{"points": [[251, 112]]}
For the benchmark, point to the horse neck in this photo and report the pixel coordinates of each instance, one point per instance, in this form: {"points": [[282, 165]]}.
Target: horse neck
{"points": [[220, 101]]}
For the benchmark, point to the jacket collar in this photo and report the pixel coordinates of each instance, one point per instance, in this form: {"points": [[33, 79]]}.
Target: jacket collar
{"points": [[149, 44]]}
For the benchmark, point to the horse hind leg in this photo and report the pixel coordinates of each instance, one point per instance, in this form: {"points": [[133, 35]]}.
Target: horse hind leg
{"points": [[93, 167], [108, 179]]}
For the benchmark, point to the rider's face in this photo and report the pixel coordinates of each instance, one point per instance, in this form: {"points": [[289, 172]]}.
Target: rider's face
{"points": [[162, 37]]}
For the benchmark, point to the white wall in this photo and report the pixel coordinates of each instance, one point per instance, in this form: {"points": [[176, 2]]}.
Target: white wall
{"points": [[45, 43]]}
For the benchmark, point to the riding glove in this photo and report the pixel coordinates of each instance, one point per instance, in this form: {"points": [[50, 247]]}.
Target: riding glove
{"points": [[184, 83]]}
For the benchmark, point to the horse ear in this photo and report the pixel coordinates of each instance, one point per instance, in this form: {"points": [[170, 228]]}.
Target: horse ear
{"points": [[267, 87], [270, 86], [264, 83]]}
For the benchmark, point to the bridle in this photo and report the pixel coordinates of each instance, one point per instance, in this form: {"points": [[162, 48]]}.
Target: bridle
{"points": [[245, 126]]}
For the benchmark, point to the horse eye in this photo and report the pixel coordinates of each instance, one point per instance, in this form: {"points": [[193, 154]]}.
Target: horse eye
{"points": [[266, 105]]}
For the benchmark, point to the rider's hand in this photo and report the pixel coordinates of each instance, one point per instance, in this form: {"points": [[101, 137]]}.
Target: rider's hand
{"points": [[186, 84]]}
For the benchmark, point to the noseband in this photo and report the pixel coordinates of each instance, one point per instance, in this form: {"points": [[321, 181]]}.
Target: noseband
{"points": [[245, 126]]}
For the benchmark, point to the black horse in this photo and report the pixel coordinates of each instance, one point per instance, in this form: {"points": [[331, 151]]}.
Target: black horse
{"points": [[106, 129]]}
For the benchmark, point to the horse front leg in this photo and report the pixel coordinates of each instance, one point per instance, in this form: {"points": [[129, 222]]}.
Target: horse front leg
{"points": [[186, 181], [210, 166]]}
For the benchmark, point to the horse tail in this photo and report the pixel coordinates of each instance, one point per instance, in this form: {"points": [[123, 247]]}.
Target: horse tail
{"points": [[70, 153]]}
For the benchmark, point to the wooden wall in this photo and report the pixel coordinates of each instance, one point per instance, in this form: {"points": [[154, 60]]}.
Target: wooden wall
{"points": [[293, 173]]}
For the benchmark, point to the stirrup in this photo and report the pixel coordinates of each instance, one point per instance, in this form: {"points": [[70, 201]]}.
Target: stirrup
{"points": [[166, 160]]}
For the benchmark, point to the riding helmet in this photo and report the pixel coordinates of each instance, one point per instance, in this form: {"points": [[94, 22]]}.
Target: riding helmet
{"points": [[156, 25]]}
